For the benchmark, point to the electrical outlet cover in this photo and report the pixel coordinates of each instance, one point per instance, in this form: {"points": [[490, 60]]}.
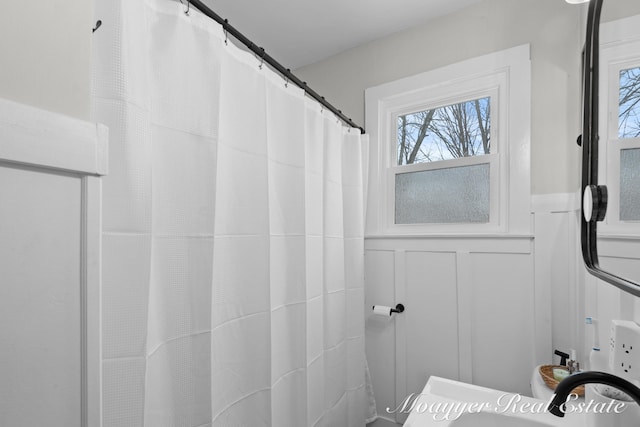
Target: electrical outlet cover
{"points": [[624, 349]]}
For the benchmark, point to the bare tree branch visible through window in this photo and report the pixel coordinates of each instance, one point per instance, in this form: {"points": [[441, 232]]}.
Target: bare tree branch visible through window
{"points": [[629, 104], [453, 131]]}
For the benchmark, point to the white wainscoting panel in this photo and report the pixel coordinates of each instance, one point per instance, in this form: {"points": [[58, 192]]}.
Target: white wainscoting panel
{"points": [[502, 321], [469, 313], [429, 323], [491, 308], [557, 288], [380, 339], [480, 309], [50, 254]]}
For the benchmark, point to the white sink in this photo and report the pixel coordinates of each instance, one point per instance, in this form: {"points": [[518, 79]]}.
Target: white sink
{"points": [[448, 403]]}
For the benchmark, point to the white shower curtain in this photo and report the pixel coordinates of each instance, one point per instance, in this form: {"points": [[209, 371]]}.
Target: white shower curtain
{"points": [[233, 291]]}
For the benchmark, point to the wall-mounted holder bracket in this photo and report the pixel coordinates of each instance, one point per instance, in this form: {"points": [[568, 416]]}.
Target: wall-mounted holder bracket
{"points": [[399, 308]]}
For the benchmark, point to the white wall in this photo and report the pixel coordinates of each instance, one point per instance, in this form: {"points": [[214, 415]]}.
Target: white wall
{"points": [[45, 53], [51, 250], [552, 27], [491, 276], [562, 292], [558, 275]]}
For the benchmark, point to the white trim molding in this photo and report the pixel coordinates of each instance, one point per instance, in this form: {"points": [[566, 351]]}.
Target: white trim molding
{"points": [[51, 143], [32, 136], [506, 76], [555, 203]]}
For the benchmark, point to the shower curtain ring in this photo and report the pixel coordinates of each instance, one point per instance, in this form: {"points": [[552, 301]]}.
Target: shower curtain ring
{"points": [[226, 32], [261, 58]]}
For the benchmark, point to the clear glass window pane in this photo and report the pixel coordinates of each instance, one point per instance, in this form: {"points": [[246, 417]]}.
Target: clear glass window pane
{"points": [[630, 185], [449, 132], [629, 103], [449, 195]]}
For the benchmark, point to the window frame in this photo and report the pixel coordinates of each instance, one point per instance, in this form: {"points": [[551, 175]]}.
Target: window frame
{"points": [[505, 77], [455, 95], [491, 93], [615, 55]]}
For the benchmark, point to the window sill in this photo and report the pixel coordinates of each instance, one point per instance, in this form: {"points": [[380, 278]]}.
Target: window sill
{"points": [[615, 236], [501, 236]]}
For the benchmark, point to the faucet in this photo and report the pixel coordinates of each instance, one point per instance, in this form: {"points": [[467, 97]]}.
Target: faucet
{"points": [[588, 377]]}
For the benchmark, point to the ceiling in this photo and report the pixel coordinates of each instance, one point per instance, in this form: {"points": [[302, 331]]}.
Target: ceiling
{"points": [[301, 32]]}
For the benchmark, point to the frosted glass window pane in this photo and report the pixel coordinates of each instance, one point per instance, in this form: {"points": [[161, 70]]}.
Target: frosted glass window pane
{"points": [[451, 195], [630, 185], [629, 103], [443, 133]]}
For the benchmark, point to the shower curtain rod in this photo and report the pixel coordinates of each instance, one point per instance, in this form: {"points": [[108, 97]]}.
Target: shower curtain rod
{"points": [[260, 52]]}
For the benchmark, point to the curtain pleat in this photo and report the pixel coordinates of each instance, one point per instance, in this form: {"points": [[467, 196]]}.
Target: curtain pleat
{"points": [[233, 290]]}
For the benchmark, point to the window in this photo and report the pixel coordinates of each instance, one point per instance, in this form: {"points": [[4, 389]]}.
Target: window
{"points": [[620, 134], [442, 192], [444, 133], [630, 184], [629, 103], [444, 138], [629, 130]]}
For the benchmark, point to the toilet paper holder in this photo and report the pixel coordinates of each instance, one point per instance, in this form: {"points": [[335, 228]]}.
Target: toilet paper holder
{"points": [[398, 309]]}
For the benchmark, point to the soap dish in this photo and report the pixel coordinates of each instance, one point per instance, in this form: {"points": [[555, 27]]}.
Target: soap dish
{"points": [[546, 372]]}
